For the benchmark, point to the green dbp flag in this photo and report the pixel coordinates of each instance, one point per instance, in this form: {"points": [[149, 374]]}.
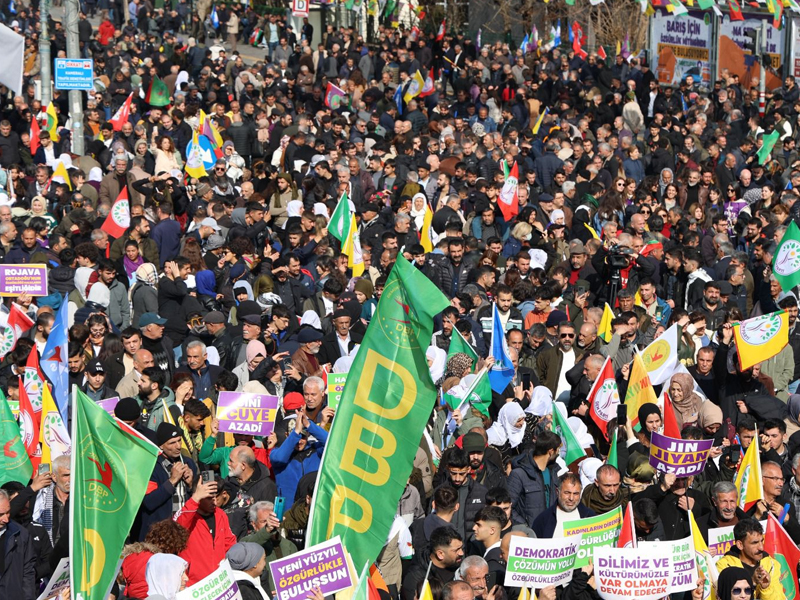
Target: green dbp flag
{"points": [[381, 416], [110, 470]]}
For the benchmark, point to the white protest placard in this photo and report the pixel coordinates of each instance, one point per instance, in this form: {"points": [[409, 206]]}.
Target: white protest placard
{"points": [[220, 585], [58, 586], [541, 562], [720, 540], [684, 565], [625, 573]]}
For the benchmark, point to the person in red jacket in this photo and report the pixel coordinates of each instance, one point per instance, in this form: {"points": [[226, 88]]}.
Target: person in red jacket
{"points": [[210, 535], [105, 31]]}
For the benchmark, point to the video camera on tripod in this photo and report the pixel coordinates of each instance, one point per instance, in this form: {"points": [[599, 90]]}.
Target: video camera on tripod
{"points": [[618, 258]]}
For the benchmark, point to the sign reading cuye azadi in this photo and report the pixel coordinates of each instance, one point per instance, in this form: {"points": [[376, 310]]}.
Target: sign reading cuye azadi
{"points": [[380, 419]]}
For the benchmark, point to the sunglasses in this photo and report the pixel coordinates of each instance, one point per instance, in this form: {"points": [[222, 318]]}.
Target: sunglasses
{"points": [[567, 335], [739, 591]]}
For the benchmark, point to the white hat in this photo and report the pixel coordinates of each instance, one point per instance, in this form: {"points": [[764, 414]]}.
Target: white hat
{"points": [[209, 222], [538, 258]]}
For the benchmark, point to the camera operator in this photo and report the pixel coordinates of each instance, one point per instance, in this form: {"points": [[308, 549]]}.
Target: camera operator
{"points": [[620, 267]]}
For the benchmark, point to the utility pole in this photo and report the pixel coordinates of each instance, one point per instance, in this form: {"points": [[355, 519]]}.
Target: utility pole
{"points": [[72, 10], [44, 53], [762, 81]]}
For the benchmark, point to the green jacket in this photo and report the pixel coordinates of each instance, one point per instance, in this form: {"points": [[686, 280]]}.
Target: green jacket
{"points": [[215, 456]]}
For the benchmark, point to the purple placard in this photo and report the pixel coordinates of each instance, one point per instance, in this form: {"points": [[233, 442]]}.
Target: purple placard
{"points": [[23, 279], [109, 404], [251, 414], [683, 458], [323, 566]]}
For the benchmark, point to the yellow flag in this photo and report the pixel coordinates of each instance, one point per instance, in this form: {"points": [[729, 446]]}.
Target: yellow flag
{"points": [[539, 121], [761, 338], [53, 433], [619, 49], [604, 331], [52, 122], [415, 87], [705, 562], [425, 235], [427, 594], [748, 480], [194, 160], [637, 299], [202, 117], [61, 171], [352, 248], [640, 390], [595, 235]]}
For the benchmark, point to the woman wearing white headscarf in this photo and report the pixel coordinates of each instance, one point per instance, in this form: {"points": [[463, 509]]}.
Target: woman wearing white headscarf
{"points": [[419, 206], [541, 402], [166, 575], [437, 361], [581, 432], [78, 296], [509, 427]]}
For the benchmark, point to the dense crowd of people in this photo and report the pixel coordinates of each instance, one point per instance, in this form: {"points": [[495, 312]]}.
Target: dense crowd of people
{"points": [[650, 199]]}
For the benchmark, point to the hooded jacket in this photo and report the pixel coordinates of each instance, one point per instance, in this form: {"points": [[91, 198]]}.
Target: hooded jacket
{"points": [[260, 486], [290, 464]]}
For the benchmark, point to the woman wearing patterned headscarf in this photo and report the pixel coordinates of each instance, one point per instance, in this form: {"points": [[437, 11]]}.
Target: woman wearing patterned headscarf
{"points": [[684, 400], [143, 294]]}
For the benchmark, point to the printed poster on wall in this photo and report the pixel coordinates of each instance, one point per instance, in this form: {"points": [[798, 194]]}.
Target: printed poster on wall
{"points": [[681, 46], [732, 57]]}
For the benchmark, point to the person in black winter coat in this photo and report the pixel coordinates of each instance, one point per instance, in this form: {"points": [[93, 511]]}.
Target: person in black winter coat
{"points": [[471, 494], [675, 497], [22, 498], [532, 483], [170, 483], [18, 578]]}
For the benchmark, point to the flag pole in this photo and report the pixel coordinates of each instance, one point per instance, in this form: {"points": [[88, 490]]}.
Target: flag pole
{"points": [[73, 570]]}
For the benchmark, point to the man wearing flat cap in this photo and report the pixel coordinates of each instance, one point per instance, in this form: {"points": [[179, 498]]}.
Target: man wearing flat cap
{"points": [[341, 341], [171, 481], [305, 359]]}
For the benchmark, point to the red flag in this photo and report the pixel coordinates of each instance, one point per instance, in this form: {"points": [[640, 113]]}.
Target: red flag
{"points": [[601, 53], [19, 320], [123, 112], [603, 398], [34, 136], [627, 537], [442, 30], [670, 422], [508, 200], [735, 10], [780, 546], [29, 423], [576, 40], [119, 219]]}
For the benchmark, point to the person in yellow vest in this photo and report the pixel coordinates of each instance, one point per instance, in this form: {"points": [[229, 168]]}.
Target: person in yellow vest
{"points": [[748, 553]]}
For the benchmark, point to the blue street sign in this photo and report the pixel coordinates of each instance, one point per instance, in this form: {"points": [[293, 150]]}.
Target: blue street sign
{"points": [[74, 74]]}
